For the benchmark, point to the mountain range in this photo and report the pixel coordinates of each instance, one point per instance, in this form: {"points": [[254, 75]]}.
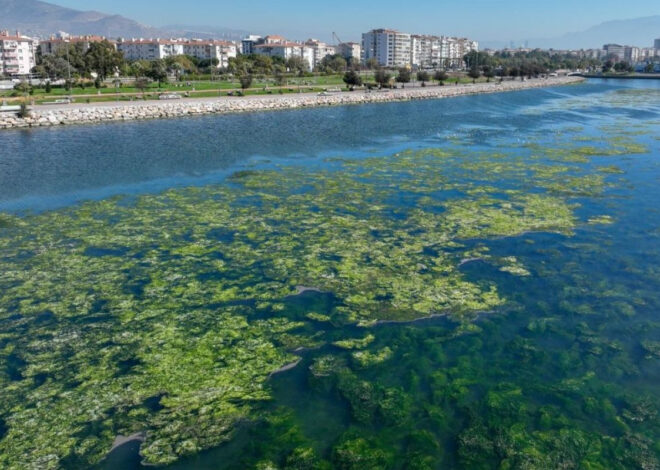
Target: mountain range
{"points": [[631, 32], [638, 32], [41, 19]]}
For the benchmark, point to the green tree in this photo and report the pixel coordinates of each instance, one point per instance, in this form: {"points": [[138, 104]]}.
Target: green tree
{"points": [[382, 77], [441, 76], [22, 87], [372, 64], [649, 68], [279, 78], [489, 72], [179, 64], [297, 64], [333, 63], [103, 58], [352, 79], [142, 84], [157, 72], [74, 55], [54, 67], [245, 81], [261, 64], [139, 68], [404, 76], [623, 67], [423, 76], [474, 73]]}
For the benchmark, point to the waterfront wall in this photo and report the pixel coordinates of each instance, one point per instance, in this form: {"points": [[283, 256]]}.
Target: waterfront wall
{"points": [[127, 111]]}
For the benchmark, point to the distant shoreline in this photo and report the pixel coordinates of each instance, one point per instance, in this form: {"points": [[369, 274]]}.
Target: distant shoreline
{"points": [[624, 77], [80, 113]]}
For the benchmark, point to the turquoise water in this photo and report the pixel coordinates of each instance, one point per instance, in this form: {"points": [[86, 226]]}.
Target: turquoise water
{"points": [[482, 274]]}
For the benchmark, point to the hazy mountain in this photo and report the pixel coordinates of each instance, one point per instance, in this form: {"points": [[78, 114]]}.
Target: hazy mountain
{"points": [[633, 32], [37, 18]]}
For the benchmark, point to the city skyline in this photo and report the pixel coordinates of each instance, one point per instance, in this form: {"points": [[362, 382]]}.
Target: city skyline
{"points": [[487, 21]]}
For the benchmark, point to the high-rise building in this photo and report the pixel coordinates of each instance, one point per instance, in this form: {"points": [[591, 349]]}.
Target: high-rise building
{"points": [[17, 54], [394, 49], [615, 51], [656, 44], [389, 47]]}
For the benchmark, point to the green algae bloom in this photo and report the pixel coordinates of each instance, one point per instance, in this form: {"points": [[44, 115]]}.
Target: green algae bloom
{"points": [[167, 314]]}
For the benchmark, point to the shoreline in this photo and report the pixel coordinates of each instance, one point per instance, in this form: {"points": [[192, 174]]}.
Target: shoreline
{"points": [[83, 113]]}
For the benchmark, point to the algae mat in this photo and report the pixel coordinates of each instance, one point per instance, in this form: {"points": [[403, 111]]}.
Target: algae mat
{"points": [[228, 316]]}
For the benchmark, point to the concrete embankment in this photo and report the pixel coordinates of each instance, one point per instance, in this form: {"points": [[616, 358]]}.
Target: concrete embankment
{"points": [[58, 115]]}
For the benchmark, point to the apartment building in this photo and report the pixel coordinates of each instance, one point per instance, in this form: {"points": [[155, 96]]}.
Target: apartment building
{"points": [[54, 44], [211, 49], [620, 53], [286, 50], [320, 50], [389, 47], [395, 49], [350, 50], [149, 49], [17, 54], [615, 51]]}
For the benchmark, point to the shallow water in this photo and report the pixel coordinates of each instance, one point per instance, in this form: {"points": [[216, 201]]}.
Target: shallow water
{"points": [[151, 272]]}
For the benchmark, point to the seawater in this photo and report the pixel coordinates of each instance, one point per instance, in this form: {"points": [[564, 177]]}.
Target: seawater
{"points": [[565, 372]]}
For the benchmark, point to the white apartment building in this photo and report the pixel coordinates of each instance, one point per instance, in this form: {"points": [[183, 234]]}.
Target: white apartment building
{"points": [[320, 50], [648, 53], [17, 54], [284, 49], [350, 50], [54, 44], [149, 49], [389, 47], [395, 49], [220, 50]]}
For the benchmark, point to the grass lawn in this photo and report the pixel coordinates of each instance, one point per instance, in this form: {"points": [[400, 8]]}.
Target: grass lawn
{"points": [[208, 88]]}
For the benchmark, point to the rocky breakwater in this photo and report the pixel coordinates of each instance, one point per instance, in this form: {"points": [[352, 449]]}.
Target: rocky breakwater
{"points": [[127, 111]]}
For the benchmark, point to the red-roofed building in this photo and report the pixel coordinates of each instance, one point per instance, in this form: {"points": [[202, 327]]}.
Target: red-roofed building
{"points": [[54, 44], [16, 54], [211, 49]]}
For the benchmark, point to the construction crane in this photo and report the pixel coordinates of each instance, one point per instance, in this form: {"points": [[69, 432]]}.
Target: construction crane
{"points": [[336, 38]]}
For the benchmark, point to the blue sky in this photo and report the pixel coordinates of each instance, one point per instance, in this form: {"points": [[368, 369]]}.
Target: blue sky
{"points": [[500, 20]]}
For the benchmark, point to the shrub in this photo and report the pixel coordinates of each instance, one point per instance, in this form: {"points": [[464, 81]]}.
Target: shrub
{"points": [[24, 112]]}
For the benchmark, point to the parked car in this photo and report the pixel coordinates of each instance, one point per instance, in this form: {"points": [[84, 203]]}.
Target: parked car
{"points": [[169, 96]]}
